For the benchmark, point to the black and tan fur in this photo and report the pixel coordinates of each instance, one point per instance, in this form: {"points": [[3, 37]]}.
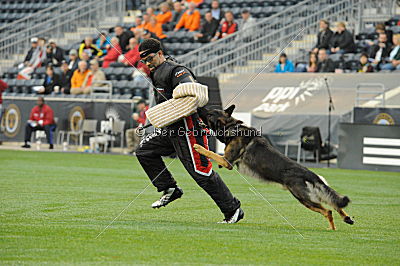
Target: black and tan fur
{"points": [[254, 156]]}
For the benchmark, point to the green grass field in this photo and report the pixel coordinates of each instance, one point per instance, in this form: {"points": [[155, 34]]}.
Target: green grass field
{"points": [[53, 205]]}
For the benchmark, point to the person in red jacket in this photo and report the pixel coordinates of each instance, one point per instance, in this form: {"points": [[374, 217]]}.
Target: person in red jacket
{"points": [[41, 118], [228, 27], [132, 136], [113, 52], [3, 87]]}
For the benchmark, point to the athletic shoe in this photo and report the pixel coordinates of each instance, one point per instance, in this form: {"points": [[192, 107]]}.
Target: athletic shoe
{"points": [[168, 196], [234, 218], [51, 146], [26, 146]]}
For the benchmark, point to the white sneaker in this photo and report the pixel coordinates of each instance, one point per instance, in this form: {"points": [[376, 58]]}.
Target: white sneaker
{"points": [[169, 195], [236, 217]]}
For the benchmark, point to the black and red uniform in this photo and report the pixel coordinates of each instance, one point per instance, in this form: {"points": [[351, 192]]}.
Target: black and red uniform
{"points": [[180, 138]]}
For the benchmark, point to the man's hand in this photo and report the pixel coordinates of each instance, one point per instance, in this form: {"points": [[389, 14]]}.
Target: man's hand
{"points": [[135, 116]]}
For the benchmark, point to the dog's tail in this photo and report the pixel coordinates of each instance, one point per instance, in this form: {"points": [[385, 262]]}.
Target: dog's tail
{"points": [[328, 195]]}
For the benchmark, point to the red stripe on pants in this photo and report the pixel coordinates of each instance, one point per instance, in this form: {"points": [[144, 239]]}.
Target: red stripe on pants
{"points": [[198, 166]]}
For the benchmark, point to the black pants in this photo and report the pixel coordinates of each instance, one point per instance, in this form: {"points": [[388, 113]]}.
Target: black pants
{"points": [[180, 138], [48, 129]]}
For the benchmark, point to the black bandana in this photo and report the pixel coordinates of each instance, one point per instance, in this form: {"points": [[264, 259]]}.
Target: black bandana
{"points": [[149, 51]]}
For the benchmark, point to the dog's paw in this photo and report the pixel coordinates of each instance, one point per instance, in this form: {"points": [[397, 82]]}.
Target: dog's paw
{"points": [[348, 220]]}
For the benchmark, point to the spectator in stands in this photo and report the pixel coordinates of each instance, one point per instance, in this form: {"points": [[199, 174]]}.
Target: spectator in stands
{"points": [[156, 28], [248, 21], [342, 40], [131, 57], [138, 35], [41, 118], [176, 16], [102, 41], [379, 51], [132, 137], [381, 28], [208, 28], [65, 78], [190, 20], [229, 26], [365, 66], [324, 36], [37, 59], [217, 12], [196, 2], [138, 23], [394, 56], [284, 65], [88, 47], [78, 77], [113, 52], [51, 82], [58, 53], [32, 50], [146, 21], [325, 64], [85, 57], [49, 56], [95, 74], [165, 15], [123, 37], [312, 63], [150, 12], [73, 60]]}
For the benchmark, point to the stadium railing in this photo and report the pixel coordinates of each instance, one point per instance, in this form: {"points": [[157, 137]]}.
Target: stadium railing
{"points": [[54, 21], [269, 35]]}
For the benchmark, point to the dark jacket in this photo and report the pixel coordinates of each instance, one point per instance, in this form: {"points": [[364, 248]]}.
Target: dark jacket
{"points": [[29, 54], [375, 48], [65, 79], [324, 39], [124, 40], [50, 83], [58, 54], [326, 66], [74, 65], [166, 77], [208, 29], [176, 16], [344, 41], [397, 55]]}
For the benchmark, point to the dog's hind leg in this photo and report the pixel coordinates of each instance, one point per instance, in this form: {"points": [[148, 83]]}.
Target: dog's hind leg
{"points": [[345, 216], [325, 212]]}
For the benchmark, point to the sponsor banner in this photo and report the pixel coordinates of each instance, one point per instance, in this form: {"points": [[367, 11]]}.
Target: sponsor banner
{"points": [[69, 114], [377, 116], [370, 147]]}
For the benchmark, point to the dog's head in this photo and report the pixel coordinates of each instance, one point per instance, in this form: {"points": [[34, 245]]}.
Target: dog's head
{"points": [[218, 120]]}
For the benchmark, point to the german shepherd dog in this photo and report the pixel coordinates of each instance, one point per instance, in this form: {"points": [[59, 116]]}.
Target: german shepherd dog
{"points": [[254, 156]]}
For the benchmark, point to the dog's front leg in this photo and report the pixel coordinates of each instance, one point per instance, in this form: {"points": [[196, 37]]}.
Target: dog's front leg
{"points": [[212, 155]]}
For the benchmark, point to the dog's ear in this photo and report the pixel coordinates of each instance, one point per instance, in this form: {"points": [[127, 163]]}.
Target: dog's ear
{"points": [[230, 109]]}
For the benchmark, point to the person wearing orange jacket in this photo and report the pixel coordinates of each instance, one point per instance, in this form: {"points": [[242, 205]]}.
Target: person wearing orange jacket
{"points": [[41, 118], [78, 77], [156, 28], [165, 15], [190, 20], [196, 2]]}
